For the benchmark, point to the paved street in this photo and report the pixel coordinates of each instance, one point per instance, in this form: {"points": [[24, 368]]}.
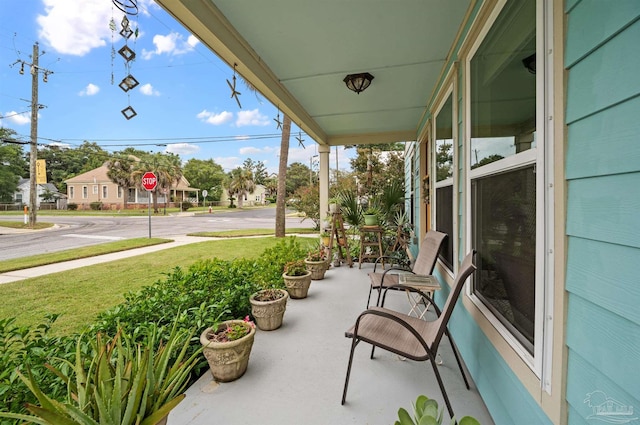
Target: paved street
{"points": [[74, 232]]}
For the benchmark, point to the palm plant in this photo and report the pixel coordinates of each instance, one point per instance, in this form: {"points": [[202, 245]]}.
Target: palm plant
{"points": [[240, 183], [120, 170], [351, 208]]}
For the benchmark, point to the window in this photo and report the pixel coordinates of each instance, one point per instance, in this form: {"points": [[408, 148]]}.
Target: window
{"points": [[71, 192], [503, 160], [95, 189], [85, 192], [104, 192], [19, 198], [444, 179], [119, 192]]}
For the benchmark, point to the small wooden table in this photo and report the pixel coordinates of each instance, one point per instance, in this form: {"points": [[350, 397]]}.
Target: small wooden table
{"points": [[427, 284]]}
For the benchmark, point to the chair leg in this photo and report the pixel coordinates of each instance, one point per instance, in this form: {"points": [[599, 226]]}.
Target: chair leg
{"points": [[441, 385], [369, 299], [346, 380], [373, 348], [456, 353]]}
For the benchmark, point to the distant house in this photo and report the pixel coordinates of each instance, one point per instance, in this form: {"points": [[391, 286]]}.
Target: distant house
{"points": [[23, 192], [95, 186], [257, 197]]}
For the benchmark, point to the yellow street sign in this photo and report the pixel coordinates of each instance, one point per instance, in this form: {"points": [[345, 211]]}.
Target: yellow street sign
{"points": [[41, 171]]}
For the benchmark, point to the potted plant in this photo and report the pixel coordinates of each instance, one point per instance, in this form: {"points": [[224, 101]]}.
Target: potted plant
{"points": [[317, 263], [370, 217], [147, 379], [426, 412], [268, 306], [296, 279], [334, 205], [325, 238], [227, 347]]}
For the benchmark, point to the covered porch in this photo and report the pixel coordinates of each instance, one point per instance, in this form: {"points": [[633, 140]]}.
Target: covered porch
{"points": [[296, 373]]}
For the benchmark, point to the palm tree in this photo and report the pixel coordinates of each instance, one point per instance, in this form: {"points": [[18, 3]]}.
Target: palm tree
{"points": [[120, 171], [167, 169], [282, 177], [240, 183]]}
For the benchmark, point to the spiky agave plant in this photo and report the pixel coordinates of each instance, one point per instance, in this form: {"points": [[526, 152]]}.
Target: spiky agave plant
{"points": [[119, 382]]}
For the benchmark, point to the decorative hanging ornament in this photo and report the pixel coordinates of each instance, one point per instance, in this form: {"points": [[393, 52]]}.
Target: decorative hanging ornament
{"points": [[300, 139], [234, 92], [277, 120], [127, 6]]}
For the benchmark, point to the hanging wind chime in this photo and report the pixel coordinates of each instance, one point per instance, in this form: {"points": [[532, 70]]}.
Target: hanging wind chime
{"points": [[234, 92], [277, 120], [129, 7]]}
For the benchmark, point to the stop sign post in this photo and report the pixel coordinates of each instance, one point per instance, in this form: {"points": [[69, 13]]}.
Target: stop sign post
{"points": [[149, 182]]}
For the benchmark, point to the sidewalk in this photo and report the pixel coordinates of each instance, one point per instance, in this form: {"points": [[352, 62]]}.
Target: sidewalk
{"points": [[16, 275]]}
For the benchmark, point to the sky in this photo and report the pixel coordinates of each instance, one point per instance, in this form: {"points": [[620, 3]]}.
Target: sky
{"points": [[183, 101]]}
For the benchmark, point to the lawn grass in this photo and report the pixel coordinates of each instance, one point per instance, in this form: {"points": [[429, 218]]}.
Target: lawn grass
{"points": [[80, 294], [252, 232], [76, 253], [21, 225]]}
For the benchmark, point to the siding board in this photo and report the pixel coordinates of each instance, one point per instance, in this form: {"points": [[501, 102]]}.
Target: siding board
{"points": [[599, 272], [585, 379], [605, 209], [606, 77], [593, 22], [605, 143], [610, 343]]}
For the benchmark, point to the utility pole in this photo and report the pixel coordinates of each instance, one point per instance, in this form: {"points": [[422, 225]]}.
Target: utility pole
{"points": [[35, 107]]}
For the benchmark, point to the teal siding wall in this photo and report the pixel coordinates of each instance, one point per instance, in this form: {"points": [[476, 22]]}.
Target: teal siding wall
{"points": [[603, 205]]}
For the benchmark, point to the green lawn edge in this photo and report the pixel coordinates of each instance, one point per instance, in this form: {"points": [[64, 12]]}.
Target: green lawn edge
{"points": [[252, 232], [77, 253]]}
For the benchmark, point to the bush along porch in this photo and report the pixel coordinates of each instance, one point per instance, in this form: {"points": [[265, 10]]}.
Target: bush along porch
{"points": [[205, 295]]}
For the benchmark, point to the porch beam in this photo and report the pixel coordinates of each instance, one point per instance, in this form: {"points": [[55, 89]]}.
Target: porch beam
{"points": [[324, 151]]}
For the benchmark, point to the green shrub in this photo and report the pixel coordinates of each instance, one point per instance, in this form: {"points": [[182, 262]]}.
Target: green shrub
{"points": [[72, 207], [186, 205], [209, 291], [96, 206]]}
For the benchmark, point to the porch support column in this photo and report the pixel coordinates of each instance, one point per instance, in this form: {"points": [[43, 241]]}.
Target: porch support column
{"points": [[324, 151]]}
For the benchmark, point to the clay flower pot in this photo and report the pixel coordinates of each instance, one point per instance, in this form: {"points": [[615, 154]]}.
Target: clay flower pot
{"points": [[228, 360], [297, 286], [269, 314]]}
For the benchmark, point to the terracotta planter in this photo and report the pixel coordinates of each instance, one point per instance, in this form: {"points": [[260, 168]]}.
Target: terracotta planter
{"points": [[269, 314], [297, 286], [325, 240], [228, 360], [317, 268]]}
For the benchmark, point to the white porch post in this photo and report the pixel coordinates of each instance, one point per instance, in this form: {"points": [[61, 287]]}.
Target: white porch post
{"points": [[324, 151]]}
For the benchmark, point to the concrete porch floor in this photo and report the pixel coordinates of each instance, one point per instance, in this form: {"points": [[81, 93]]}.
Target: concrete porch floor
{"points": [[296, 373]]}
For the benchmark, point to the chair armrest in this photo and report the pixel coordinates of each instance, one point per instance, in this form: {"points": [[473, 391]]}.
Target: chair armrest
{"points": [[390, 269]]}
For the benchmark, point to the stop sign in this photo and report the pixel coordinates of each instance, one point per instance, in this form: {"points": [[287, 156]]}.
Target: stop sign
{"points": [[149, 181]]}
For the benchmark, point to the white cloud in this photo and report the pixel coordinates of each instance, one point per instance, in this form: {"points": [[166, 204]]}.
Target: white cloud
{"points": [[90, 90], [228, 163], [74, 28], [60, 145], [16, 118], [250, 150], [182, 148], [253, 117], [148, 90], [215, 119], [170, 44]]}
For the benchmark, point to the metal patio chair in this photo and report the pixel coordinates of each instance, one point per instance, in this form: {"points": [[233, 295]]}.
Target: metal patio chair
{"points": [[424, 265], [408, 336]]}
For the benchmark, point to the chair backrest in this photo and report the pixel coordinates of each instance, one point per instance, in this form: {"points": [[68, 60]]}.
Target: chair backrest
{"points": [[428, 254], [466, 268]]}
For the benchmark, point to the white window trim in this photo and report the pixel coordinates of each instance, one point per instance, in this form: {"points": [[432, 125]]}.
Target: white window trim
{"points": [[540, 361], [105, 192], [95, 189], [453, 180], [85, 192]]}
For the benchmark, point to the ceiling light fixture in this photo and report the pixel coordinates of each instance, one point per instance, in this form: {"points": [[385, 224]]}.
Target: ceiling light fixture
{"points": [[358, 82]]}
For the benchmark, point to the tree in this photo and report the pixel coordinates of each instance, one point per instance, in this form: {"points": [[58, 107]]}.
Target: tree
{"points": [[205, 175], [308, 202], [297, 176], [120, 170], [375, 168], [240, 183], [258, 170], [282, 177], [166, 167], [444, 161], [13, 164]]}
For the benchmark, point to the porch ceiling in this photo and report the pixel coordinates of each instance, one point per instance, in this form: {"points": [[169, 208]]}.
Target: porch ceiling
{"points": [[297, 52]]}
